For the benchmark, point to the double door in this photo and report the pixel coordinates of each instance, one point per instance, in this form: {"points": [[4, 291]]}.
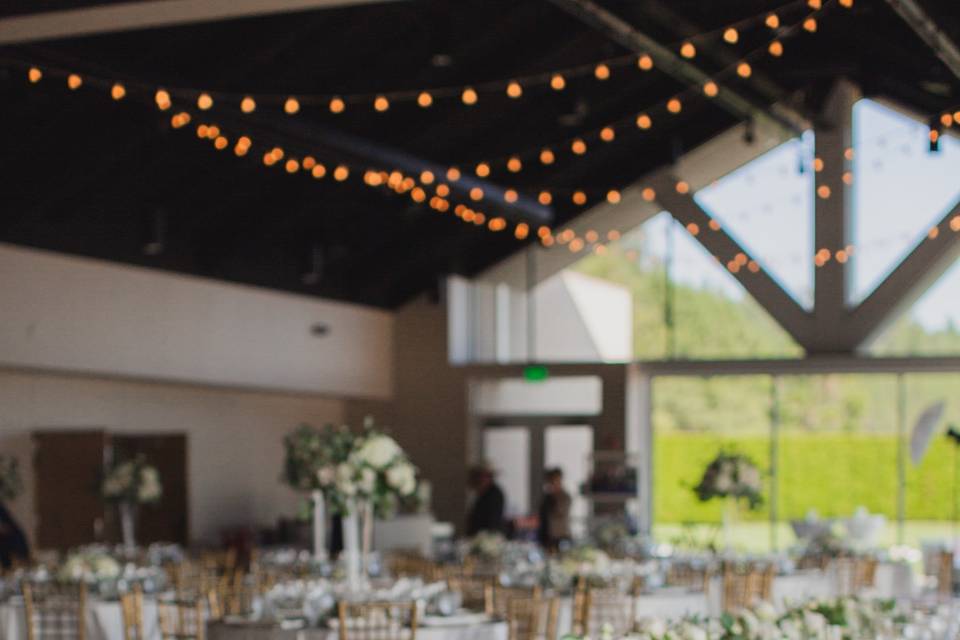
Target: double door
{"points": [[521, 449]]}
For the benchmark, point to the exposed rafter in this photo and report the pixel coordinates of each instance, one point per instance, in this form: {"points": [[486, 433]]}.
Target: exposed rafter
{"points": [[833, 206], [758, 283], [148, 14], [630, 37], [926, 27], [912, 277]]}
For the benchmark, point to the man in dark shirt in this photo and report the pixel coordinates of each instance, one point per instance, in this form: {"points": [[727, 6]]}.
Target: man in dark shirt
{"points": [[486, 513]]}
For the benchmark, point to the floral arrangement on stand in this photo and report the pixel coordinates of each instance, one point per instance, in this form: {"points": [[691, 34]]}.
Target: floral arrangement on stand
{"points": [[363, 474], [10, 483], [129, 484], [732, 476], [848, 618]]}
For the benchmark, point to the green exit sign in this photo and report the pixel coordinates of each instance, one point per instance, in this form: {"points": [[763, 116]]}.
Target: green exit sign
{"points": [[535, 373]]}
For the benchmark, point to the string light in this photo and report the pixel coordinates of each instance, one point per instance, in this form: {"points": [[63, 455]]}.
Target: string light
{"points": [[514, 164], [476, 194], [469, 96], [772, 21], [816, 5], [74, 82], [645, 62], [521, 231], [810, 24], [823, 191], [424, 99], [220, 143], [514, 90], [613, 196], [337, 105], [674, 106], [292, 166], [510, 195], [644, 121], [547, 157], [578, 146], [117, 91], [204, 101], [291, 106], [318, 172], [714, 224], [601, 72], [818, 164], [426, 177], [648, 194], [775, 49], [682, 187], [710, 89], [381, 103], [483, 170], [34, 75], [846, 4], [341, 173], [693, 228], [544, 198], [162, 98], [248, 105], [744, 70], [687, 50], [607, 134], [731, 36], [579, 198], [557, 82], [443, 190]]}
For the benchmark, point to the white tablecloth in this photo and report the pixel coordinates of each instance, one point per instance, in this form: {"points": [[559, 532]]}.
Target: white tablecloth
{"points": [[104, 621], [222, 631]]}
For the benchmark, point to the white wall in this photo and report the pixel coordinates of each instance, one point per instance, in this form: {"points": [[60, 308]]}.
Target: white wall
{"points": [[75, 314], [234, 437]]}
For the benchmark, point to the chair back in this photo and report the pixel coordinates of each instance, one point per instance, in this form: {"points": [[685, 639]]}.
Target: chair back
{"points": [[745, 587], [503, 595], [685, 574], [611, 609], [377, 620], [533, 618], [55, 611], [182, 618], [855, 574], [945, 573], [475, 591], [131, 605]]}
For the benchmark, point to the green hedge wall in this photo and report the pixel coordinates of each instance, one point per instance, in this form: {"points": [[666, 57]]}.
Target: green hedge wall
{"points": [[833, 473]]}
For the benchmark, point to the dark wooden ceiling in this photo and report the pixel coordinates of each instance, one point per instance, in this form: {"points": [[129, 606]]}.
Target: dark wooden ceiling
{"points": [[85, 175]]}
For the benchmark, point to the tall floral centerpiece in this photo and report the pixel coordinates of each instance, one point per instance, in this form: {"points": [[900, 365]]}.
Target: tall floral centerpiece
{"points": [[356, 475], [10, 483], [734, 478], [129, 484]]}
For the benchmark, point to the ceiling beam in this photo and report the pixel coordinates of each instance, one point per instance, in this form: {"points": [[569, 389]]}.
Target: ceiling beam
{"points": [[936, 253], [926, 27], [758, 283], [148, 14], [833, 217], [629, 37]]}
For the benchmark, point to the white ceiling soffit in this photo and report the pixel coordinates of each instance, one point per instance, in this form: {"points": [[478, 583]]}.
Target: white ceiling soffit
{"points": [[710, 161], [128, 16]]}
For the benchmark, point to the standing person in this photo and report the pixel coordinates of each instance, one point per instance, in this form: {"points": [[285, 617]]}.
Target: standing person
{"points": [[13, 543], [554, 511], [486, 513]]}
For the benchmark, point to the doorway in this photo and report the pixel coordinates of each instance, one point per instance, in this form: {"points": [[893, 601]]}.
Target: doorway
{"points": [[521, 449]]}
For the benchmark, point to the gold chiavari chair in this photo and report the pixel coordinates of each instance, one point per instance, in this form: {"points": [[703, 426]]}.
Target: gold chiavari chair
{"points": [[855, 574], [55, 611], [182, 619], [685, 574], [533, 618], [745, 587], [377, 620], [945, 574], [131, 606], [412, 564], [503, 595], [595, 609], [475, 591]]}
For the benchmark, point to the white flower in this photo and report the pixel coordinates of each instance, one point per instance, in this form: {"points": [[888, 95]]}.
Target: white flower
{"points": [[378, 451], [690, 631], [402, 477], [724, 483], [368, 480], [326, 475], [345, 484], [656, 627], [766, 611]]}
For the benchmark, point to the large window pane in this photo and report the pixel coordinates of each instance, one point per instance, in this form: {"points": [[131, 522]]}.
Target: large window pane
{"points": [[694, 419]]}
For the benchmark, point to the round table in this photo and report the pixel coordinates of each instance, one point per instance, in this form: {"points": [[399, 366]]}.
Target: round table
{"points": [[103, 620]]}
